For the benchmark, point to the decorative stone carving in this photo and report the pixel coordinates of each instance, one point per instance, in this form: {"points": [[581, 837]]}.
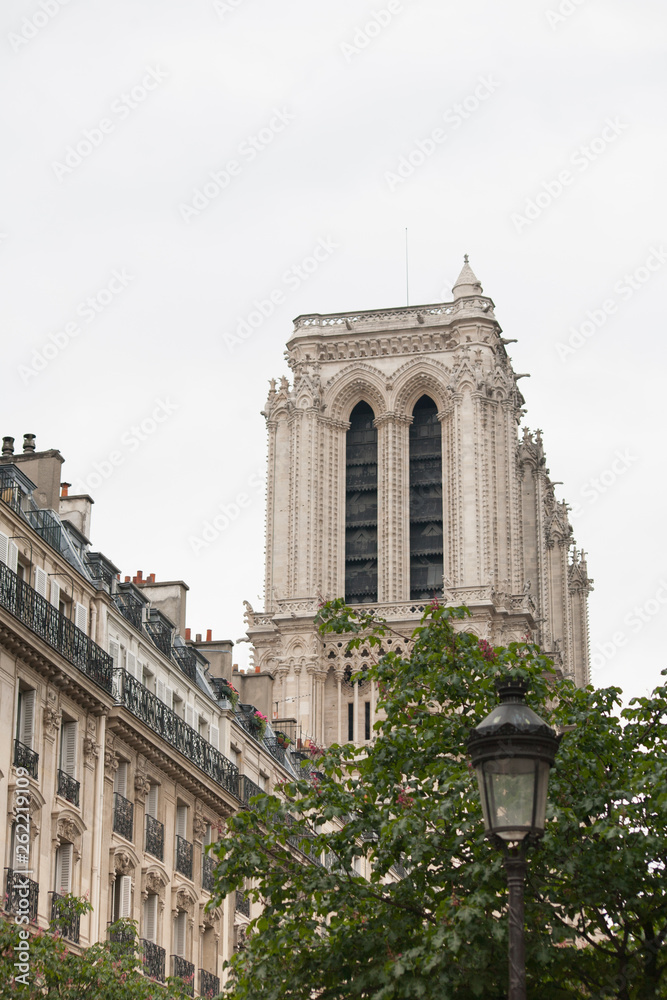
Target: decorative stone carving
{"points": [[199, 824], [123, 863], [110, 762], [52, 720], [91, 750]]}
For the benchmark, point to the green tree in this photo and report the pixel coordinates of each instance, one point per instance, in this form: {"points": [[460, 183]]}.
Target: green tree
{"points": [[430, 920], [105, 971]]}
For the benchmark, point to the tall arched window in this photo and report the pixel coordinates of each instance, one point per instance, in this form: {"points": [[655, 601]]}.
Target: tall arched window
{"points": [[361, 508], [426, 537]]}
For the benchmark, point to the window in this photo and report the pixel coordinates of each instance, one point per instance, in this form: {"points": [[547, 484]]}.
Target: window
{"points": [[68, 748], [367, 720], [180, 933], [426, 536], [350, 721], [182, 821], [64, 859], [122, 897], [361, 568], [152, 801], [9, 552], [120, 779], [150, 917], [25, 729]]}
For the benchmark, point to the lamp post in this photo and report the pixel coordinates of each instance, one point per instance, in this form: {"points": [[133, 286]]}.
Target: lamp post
{"points": [[512, 751]]}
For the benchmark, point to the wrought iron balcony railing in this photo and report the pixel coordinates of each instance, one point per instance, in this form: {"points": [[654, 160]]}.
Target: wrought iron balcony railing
{"points": [[163, 721], [68, 787], [25, 757], [130, 606], [248, 788], [10, 491], [242, 903], [155, 837], [123, 816], [124, 937], [154, 960], [275, 748], [183, 858], [207, 868], [209, 985], [46, 525], [186, 971], [186, 659], [21, 895], [67, 923], [45, 621]]}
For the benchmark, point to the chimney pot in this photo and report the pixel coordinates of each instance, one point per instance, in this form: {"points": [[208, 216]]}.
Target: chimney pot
{"points": [[140, 574], [209, 635], [127, 579], [235, 668], [198, 637], [28, 442], [7, 446], [151, 577], [257, 668], [64, 489], [187, 634]]}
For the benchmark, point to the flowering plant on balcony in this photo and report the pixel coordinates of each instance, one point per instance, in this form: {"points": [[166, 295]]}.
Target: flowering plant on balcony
{"points": [[258, 722], [282, 739], [228, 691]]}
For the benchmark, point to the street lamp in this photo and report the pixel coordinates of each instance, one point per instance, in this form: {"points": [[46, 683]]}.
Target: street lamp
{"points": [[512, 751]]}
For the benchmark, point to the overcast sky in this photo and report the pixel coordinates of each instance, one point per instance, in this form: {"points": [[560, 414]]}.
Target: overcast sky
{"points": [[169, 164]]}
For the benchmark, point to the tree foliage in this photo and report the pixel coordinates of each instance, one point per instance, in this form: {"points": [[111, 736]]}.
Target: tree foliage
{"points": [[55, 969], [429, 920]]}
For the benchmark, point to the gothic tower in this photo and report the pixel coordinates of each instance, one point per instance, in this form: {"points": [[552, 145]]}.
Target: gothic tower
{"points": [[396, 473]]}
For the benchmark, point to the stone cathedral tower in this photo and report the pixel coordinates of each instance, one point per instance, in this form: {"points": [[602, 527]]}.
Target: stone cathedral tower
{"points": [[396, 472]]}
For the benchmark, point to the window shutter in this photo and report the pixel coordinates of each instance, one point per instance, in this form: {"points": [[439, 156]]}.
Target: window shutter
{"points": [[120, 779], [81, 616], [12, 556], [150, 917], [132, 664], [4, 545], [160, 689], [182, 821], [27, 717], [114, 652], [55, 593], [68, 748], [169, 696], [190, 715], [179, 933], [151, 801], [125, 909], [214, 737], [64, 869], [41, 580]]}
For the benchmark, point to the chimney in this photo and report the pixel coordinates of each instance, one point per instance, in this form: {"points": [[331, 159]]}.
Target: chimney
{"points": [[64, 489], [8, 446], [187, 635], [127, 579], [139, 578], [209, 635], [151, 577], [235, 668], [29, 442], [198, 637]]}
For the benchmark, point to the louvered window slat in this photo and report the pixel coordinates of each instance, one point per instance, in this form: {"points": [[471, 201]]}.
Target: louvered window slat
{"points": [[4, 547], [179, 933], [151, 801], [125, 908], [26, 730], [41, 581], [150, 917], [68, 748], [12, 556], [189, 715], [55, 593], [114, 652], [64, 869], [132, 664], [214, 737], [81, 616], [120, 779], [182, 821]]}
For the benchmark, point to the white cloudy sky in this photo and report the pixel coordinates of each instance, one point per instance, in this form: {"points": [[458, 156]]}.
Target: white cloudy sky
{"points": [[355, 88]]}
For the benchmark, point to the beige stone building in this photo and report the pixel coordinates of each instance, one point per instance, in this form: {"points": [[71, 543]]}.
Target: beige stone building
{"points": [[398, 472], [121, 753]]}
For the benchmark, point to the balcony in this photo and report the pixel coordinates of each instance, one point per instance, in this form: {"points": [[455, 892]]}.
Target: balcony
{"points": [[155, 838], [123, 816], [129, 604], [248, 788], [10, 490], [209, 985], [208, 863], [160, 629], [183, 858], [20, 903], [242, 904], [186, 971], [67, 922], [68, 787], [154, 960], [174, 731], [25, 757], [47, 526], [122, 936], [186, 659], [45, 621]]}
